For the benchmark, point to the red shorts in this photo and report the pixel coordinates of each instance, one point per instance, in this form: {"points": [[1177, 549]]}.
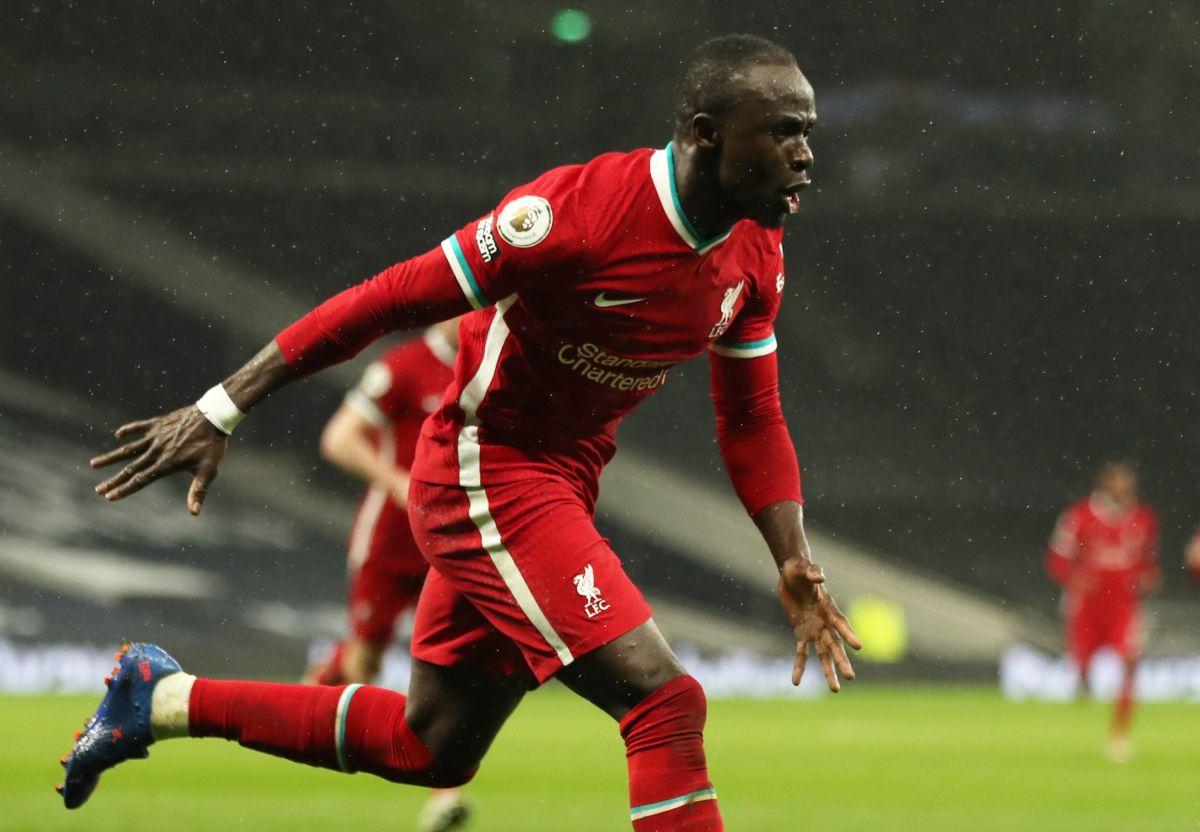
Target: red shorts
{"points": [[386, 569], [1094, 625], [521, 579]]}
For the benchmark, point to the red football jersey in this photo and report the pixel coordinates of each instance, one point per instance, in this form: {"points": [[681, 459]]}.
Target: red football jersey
{"points": [[396, 394], [1115, 548], [399, 391], [591, 285]]}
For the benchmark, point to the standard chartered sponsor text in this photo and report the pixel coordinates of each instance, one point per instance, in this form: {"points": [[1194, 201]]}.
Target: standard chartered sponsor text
{"points": [[598, 365]]}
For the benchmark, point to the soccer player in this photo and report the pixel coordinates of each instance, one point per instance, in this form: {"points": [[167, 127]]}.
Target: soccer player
{"points": [[587, 284], [373, 436], [1104, 555]]}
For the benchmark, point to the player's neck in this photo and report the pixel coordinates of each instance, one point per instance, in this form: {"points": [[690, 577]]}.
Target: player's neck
{"points": [[1105, 503], [700, 196]]}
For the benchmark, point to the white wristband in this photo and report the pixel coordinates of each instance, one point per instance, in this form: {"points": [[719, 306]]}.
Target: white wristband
{"points": [[219, 409]]}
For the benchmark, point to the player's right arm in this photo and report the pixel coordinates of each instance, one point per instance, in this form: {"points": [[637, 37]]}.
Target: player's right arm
{"points": [[382, 396], [416, 292], [347, 442], [457, 277]]}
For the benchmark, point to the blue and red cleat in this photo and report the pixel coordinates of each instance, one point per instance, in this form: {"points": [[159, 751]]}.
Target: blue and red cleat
{"points": [[120, 728]]}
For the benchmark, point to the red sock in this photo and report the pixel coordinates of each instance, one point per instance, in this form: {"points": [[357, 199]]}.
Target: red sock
{"points": [[351, 728], [669, 789]]}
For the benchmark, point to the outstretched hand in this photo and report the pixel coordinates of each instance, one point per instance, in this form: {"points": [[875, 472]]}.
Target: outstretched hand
{"points": [[183, 440], [816, 620]]}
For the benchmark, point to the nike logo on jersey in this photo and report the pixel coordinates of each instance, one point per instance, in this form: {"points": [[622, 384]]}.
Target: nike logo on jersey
{"points": [[603, 302]]}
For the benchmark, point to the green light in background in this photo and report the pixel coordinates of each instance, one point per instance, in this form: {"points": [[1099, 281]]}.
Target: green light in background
{"points": [[571, 25]]}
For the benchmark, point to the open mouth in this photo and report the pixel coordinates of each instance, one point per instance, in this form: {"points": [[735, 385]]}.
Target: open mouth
{"points": [[791, 196]]}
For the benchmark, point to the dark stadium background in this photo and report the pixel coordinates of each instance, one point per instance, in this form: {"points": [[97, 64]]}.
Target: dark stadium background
{"points": [[992, 284]]}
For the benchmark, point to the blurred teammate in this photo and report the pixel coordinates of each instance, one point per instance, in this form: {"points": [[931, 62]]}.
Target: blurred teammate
{"points": [[1191, 555], [589, 284], [1104, 555], [373, 436]]}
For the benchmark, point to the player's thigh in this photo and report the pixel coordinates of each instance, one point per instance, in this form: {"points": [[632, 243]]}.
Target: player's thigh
{"points": [[1086, 632], [620, 674], [376, 600], [467, 677], [457, 711], [1127, 637]]}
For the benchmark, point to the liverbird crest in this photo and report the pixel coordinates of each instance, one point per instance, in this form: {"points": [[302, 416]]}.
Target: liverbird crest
{"points": [[585, 584]]}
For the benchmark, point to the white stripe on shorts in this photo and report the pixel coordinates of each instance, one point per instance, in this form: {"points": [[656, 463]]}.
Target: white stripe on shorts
{"points": [[469, 477]]}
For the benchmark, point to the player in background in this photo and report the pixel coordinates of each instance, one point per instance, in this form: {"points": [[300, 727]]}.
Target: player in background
{"points": [[1191, 555], [373, 435], [588, 284], [1103, 553]]}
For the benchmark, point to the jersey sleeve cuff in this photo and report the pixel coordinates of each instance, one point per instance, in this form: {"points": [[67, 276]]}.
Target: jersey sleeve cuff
{"points": [[789, 492], [463, 274], [361, 404], [746, 349]]}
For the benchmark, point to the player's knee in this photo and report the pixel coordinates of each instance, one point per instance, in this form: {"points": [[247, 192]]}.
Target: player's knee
{"points": [[675, 711], [456, 757], [450, 777], [453, 766]]}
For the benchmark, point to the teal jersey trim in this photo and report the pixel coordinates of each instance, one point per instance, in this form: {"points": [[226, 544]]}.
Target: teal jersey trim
{"points": [[467, 273], [700, 245], [745, 349], [747, 345], [343, 711], [638, 812]]}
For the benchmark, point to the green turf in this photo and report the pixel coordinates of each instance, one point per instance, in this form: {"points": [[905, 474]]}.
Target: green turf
{"points": [[880, 760]]}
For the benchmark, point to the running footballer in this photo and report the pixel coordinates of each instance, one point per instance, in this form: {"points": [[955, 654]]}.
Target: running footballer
{"points": [[582, 289]]}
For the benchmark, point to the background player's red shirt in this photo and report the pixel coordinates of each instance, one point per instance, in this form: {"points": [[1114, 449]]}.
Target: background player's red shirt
{"points": [[396, 394], [1103, 553]]}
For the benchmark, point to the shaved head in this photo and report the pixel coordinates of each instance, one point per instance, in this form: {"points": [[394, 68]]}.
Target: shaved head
{"points": [[717, 76]]}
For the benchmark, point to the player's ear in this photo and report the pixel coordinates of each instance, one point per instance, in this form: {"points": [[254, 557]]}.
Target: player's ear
{"points": [[705, 134]]}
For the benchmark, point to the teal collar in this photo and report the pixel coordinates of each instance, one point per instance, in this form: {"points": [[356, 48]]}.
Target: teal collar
{"points": [[662, 174]]}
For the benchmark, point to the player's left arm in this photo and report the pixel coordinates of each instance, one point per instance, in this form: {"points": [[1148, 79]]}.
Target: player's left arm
{"points": [[761, 462]]}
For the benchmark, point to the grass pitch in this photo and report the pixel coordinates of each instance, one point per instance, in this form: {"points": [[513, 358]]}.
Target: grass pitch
{"points": [[872, 759]]}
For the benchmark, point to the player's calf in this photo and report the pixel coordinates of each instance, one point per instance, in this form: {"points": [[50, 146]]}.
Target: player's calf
{"points": [[669, 787], [350, 728]]}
